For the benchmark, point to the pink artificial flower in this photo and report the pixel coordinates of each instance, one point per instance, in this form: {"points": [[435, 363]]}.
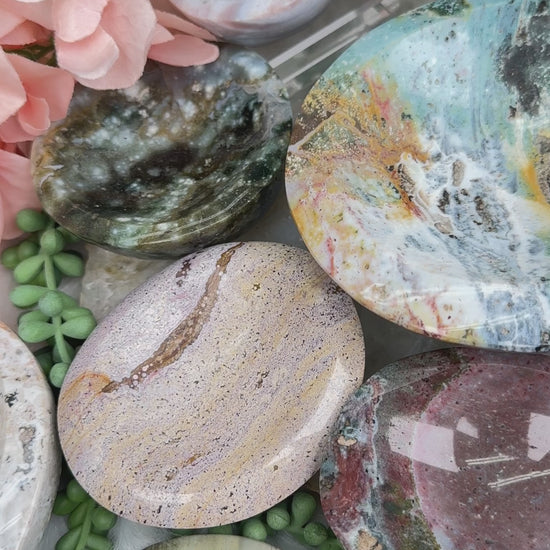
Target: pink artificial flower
{"points": [[36, 11], [32, 95], [16, 30], [178, 41], [16, 189], [103, 43]]}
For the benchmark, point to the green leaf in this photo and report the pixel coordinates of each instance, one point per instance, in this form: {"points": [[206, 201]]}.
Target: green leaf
{"points": [[33, 332], [98, 542], [278, 518], [52, 241], [254, 528], [103, 519], [73, 312], [78, 327], [30, 220], [315, 533], [78, 515], [62, 505], [26, 249], [51, 304], [75, 492], [302, 508], [9, 257], [27, 295], [69, 264], [57, 374], [69, 540], [28, 269]]}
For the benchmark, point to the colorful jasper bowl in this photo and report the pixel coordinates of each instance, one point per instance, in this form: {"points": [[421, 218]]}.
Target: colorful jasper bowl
{"points": [[185, 158], [446, 450], [418, 174]]}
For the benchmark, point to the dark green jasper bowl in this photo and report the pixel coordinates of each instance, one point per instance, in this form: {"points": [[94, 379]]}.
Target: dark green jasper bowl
{"points": [[185, 158]]}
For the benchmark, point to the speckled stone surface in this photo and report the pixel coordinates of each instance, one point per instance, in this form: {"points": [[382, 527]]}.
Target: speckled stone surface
{"points": [[185, 158], [248, 21], [418, 174], [109, 277], [30, 457], [212, 542], [207, 395], [444, 451]]}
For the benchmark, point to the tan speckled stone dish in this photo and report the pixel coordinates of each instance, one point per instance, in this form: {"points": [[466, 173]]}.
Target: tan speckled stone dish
{"points": [[207, 396]]}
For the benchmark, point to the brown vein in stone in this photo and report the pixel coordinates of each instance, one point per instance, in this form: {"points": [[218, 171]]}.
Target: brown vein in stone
{"points": [[184, 334]]}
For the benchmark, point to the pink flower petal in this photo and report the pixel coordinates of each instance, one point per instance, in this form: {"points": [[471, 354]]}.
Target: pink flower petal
{"points": [[91, 57], [9, 21], [51, 83], [172, 21], [26, 33], [12, 93], [184, 51], [38, 11], [77, 19], [161, 35], [34, 116], [131, 23], [16, 191]]}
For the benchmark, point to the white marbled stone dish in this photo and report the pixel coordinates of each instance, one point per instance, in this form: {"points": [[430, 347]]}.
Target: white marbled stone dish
{"points": [[250, 22], [29, 453]]}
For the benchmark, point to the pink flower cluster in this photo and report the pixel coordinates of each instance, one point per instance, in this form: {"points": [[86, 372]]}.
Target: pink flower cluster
{"points": [[102, 44]]}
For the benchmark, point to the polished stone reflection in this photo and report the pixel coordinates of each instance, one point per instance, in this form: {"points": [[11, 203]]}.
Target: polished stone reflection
{"points": [[446, 450]]}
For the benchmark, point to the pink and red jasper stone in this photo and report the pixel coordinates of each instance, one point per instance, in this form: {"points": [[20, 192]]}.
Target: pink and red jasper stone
{"points": [[445, 450]]}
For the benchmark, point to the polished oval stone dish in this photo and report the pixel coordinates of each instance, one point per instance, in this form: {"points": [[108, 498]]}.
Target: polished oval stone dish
{"points": [[446, 450], [207, 395], [185, 158], [30, 458], [211, 542], [249, 21], [418, 173]]}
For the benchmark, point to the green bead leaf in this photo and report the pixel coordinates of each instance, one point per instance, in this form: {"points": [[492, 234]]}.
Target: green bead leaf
{"points": [[57, 356], [26, 249], [35, 315], [51, 241], [27, 295], [278, 518], [51, 304], [28, 269], [303, 506], [69, 540], [315, 533], [57, 374], [98, 542], [30, 220], [33, 332], [62, 505], [75, 492], [9, 257], [78, 327], [254, 528], [69, 264], [73, 312], [78, 515], [103, 519]]}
